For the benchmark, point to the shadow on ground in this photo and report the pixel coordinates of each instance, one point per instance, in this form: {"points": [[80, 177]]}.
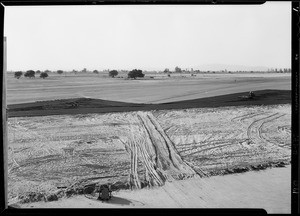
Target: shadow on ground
{"points": [[88, 105], [120, 201]]}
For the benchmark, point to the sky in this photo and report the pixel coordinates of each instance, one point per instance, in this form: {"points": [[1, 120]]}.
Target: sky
{"points": [[147, 37]]}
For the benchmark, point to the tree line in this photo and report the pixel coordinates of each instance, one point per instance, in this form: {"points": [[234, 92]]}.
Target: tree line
{"points": [[32, 74]]}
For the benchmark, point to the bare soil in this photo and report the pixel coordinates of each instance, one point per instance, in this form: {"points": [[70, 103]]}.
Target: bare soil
{"points": [[50, 157], [160, 89], [89, 105], [268, 189]]}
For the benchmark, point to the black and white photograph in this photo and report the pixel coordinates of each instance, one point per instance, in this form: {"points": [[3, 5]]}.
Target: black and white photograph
{"points": [[149, 106]]}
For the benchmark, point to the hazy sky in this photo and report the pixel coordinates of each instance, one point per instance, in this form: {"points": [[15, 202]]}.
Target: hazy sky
{"points": [[147, 37]]}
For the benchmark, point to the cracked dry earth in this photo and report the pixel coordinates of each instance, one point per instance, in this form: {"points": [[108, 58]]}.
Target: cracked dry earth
{"points": [[138, 149]]}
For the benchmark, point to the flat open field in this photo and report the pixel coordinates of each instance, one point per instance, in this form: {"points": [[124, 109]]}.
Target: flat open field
{"points": [[54, 156], [160, 89], [167, 133]]}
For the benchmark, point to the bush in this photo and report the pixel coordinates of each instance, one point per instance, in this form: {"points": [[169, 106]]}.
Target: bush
{"points": [[178, 69], [59, 71], [113, 73], [43, 75], [135, 73], [18, 74], [30, 74], [51, 197]]}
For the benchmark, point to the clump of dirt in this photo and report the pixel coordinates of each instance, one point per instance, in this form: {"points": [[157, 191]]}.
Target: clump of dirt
{"points": [[119, 185], [51, 197], [241, 169], [93, 188], [31, 197], [90, 188]]}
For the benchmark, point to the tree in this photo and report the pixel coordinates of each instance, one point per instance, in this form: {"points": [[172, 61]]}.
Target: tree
{"points": [[167, 70], [113, 73], [47, 71], [135, 73], [75, 71], [59, 71], [43, 75], [38, 72], [177, 69], [84, 70], [18, 74], [95, 71], [30, 74]]}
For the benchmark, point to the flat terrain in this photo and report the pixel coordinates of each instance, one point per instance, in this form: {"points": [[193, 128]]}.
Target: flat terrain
{"points": [[160, 89], [63, 154], [180, 140], [267, 189], [89, 105]]}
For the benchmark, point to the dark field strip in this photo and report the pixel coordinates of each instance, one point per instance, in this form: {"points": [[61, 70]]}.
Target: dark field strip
{"points": [[87, 105]]}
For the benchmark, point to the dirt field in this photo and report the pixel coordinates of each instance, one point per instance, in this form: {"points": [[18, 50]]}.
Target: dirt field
{"points": [[56, 156], [221, 139], [160, 89], [177, 142], [268, 189], [88, 105]]}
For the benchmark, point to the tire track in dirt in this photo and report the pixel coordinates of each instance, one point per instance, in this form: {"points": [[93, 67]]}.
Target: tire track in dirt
{"points": [[15, 164], [210, 148], [157, 153], [247, 116], [254, 130], [263, 123], [205, 143], [134, 179], [269, 140], [254, 125], [152, 176]]}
